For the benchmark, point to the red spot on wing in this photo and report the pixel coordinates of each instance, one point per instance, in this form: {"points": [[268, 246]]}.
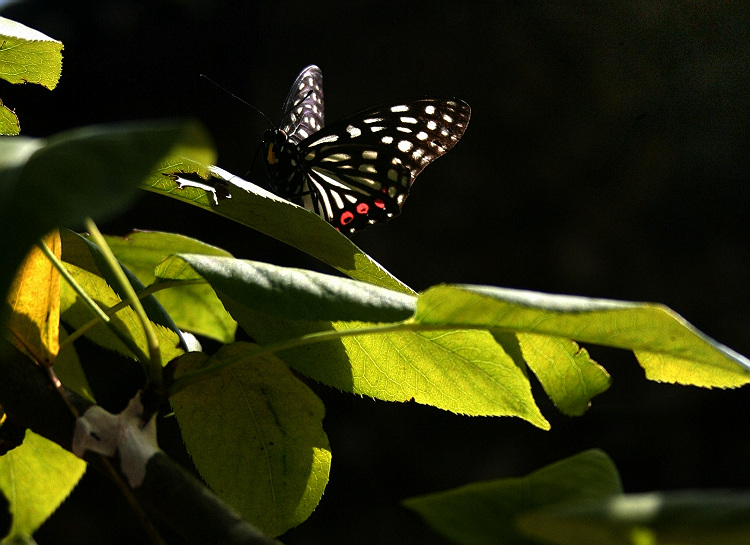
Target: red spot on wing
{"points": [[363, 208], [346, 218]]}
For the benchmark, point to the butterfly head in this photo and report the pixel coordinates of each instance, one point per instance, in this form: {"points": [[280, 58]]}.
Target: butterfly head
{"points": [[270, 145], [276, 146]]}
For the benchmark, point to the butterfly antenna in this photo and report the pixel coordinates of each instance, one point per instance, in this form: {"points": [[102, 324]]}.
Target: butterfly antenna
{"points": [[245, 102]]}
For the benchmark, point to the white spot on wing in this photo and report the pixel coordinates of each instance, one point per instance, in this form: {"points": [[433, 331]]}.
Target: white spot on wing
{"points": [[337, 157], [387, 140], [429, 110], [353, 131], [337, 198], [404, 145], [399, 108], [325, 140]]}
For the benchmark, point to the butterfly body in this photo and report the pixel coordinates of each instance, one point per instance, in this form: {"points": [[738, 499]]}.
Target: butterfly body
{"points": [[358, 171]]}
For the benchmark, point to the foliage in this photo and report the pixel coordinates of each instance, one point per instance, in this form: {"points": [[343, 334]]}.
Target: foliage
{"points": [[26, 56], [579, 501], [245, 414]]}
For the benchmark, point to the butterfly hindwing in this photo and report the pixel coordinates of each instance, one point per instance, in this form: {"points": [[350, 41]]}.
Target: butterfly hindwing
{"points": [[303, 111], [358, 171]]}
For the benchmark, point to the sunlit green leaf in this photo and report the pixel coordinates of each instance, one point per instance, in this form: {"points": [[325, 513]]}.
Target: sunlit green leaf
{"points": [[9, 124], [465, 372], [28, 56], [219, 191], [35, 478], [255, 434], [193, 307], [567, 373], [79, 251], [77, 314], [666, 345]]}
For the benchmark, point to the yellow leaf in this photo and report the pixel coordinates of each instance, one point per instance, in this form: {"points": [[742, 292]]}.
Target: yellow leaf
{"points": [[34, 300]]}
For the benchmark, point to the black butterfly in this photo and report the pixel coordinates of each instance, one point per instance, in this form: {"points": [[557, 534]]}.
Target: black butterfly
{"points": [[358, 171]]}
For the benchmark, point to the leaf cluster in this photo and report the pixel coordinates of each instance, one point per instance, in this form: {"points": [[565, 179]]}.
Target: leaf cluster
{"points": [[152, 296]]}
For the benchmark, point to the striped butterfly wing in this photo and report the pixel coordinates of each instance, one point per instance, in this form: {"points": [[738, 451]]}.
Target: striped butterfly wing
{"points": [[303, 111], [358, 171]]}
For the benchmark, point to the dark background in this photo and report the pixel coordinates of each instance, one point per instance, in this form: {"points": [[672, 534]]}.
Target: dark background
{"points": [[607, 156]]}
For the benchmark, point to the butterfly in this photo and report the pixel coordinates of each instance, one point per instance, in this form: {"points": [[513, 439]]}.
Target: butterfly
{"points": [[358, 171]]}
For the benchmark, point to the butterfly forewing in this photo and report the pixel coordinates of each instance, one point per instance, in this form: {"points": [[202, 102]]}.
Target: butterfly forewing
{"points": [[361, 168], [303, 111], [358, 171]]}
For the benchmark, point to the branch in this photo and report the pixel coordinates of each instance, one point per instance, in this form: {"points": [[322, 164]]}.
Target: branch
{"points": [[163, 488]]}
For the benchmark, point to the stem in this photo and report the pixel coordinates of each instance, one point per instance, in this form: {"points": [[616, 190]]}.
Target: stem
{"points": [[111, 311], [154, 355]]}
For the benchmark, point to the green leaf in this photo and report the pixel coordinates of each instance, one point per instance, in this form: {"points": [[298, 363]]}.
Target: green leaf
{"points": [[255, 434], [297, 293], [567, 373], [28, 56], [719, 517], [70, 372], [666, 345], [36, 477], [80, 251], [486, 513], [221, 192], [193, 307], [92, 171], [460, 371], [76, 313], [9, 124]]}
